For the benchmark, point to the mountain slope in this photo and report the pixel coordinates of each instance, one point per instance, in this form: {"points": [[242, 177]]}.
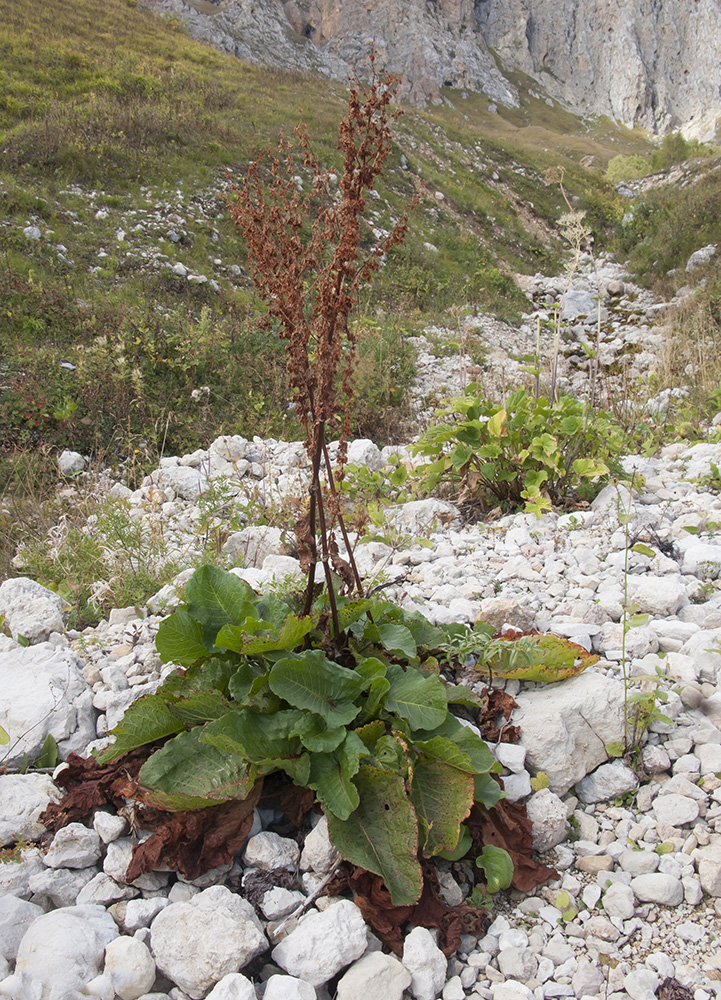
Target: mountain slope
{"points": [[654, 63]]}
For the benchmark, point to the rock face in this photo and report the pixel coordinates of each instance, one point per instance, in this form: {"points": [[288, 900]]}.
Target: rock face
{"points": [[655, 63]]}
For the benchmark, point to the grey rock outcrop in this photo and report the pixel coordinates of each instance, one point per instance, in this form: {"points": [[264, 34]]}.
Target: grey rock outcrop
{"points": [[655, 63]]}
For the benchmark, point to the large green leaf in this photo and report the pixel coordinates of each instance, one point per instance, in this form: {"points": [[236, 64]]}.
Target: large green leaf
{"points": [[419, 698], [487, 791], [241, 684], [373, 672], [146, 720], [331, 777], [180, 639], [313, 682], [189, 774], [447, 751], [212, 674], [216, 598], [465, 739], [199, 707], [316, 736], [291, 635], [255, 737], [398, 639], [544, 657], [381, 835], [443, 796]]}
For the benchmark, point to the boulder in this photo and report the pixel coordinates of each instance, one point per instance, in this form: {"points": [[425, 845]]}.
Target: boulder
{"points": [[565, 727], [426, 963], [185, 481], [16, 916], [196, 943], [549, 818], [60, 953], [660, 596], [42, 691], [30, 610], [23, 797], [251, 545], [374, 977], [420, 516], [323, 943], [129, 970], [70, 463], [607, 782]]}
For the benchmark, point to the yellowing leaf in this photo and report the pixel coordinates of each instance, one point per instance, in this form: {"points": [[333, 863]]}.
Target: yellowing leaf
{"points": [[497, 424], [545, 657]]}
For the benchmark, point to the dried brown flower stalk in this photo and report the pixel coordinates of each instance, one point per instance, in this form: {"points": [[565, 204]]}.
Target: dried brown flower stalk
{"points": [[308, 262]]}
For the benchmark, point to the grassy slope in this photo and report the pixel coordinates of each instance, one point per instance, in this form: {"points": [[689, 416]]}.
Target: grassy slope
{"points": [[115, 122]]}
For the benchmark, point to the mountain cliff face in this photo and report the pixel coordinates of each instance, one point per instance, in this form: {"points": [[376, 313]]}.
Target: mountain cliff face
{"points": [[655, 63]]}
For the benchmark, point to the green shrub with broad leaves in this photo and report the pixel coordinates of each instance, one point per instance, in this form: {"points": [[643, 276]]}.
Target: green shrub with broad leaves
{"points": [[529, 451], [368, 725]]}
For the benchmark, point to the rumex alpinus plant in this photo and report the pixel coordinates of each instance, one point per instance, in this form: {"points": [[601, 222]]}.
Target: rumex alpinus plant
{"points": [[362, 717], [309, 280]]}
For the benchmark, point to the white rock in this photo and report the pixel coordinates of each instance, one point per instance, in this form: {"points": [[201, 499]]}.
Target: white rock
{"points": [[60, 953], [279, 902], [676, 810], [186, 482], [251, 545], [323, 943], [374, 977], [61, 885], [641, 984], [129, 971], [709, 874], [607, 782], [702, 559], [16, 915], [639, 862], [283, 570], [73, 846], [709, 755], [517, 786], [517, 963], [32, 233], [700, 257], [30, 610], [23, 797], [549, 817], [658, 961], [140, 912], [268, 850], [196, 943], [103, 890], [70, 463], [15, 876], [511, 755], [318, 855], [419, 517], [660, 596], [588, 979], [566, 726], [511, 990], [364, 452], [42, 691], [288, 988], [618, 901], [235, 986], [109, 826], [657, 888], [426, 963], [453, 990]]}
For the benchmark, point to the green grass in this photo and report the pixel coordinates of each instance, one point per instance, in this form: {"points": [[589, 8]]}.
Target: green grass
{"points": [[116, 130]]}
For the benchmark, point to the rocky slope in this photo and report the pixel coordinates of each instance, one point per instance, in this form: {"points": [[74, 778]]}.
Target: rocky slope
{"points": [[653, 63], [638, 850]]}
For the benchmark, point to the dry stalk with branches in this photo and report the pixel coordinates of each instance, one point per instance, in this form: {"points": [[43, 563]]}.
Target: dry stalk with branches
{"points": [[309, 258]]}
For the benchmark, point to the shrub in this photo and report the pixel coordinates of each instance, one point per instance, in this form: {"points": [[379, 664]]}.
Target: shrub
{"points": [[529, 450], [627, 168]]}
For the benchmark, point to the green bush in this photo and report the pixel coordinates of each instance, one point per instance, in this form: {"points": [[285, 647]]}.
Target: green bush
{"points": [[529, 451], [370, 730], [627, 168]]}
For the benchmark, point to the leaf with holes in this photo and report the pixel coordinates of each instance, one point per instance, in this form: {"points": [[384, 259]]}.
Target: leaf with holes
{"points": [[442, 796], [381, 834]]}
